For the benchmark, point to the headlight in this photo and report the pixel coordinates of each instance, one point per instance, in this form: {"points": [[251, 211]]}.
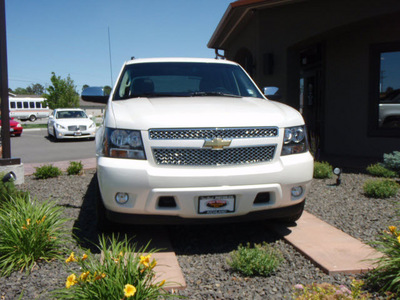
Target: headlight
{"points": [[92, 125], [18, 125], [294, 140], [60, 126], [122, 143]]}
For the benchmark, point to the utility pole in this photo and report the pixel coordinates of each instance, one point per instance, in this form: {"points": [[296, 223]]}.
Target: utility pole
{"points": [[4, 109]]}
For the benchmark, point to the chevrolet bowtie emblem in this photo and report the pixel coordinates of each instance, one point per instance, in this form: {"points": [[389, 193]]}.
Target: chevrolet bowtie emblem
{"points": [[216, 144]]}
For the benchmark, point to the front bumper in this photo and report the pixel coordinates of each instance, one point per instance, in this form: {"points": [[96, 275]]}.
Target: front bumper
{"points": [[66, 134], [145, 184]]}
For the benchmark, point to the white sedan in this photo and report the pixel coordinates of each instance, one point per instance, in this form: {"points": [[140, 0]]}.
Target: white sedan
{"points": [[65, 123]]}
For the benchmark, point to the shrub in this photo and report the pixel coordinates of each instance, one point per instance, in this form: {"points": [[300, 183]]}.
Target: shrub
{"points": [[75, 168], [260, 260], [392, 161], [381, 188], [47, 171], [386, 275], [8, 190], [330, 291], [322, 170], [123, 272], [30, 231], [380, 171]]}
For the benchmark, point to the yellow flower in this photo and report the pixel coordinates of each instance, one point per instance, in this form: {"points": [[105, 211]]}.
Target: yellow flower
{"points": [[84, 275], [121, 254], [398, 238], [24, 227], [129, 290], [28, 222], [71, 280], [100, 276], [162, 283], [392, 229], [145, 260], [84, 256], [71, 258], [153, 264]]}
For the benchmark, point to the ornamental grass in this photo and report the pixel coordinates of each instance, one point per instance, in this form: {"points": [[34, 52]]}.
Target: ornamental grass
{"points": [[124, 272], [30, 232], [386, 275]]}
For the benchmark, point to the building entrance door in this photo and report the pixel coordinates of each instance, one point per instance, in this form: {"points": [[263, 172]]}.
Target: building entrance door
{"points": [[311, 94]]}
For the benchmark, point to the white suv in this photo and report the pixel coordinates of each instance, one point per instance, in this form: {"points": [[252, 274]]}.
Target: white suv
{"points": [[195, 140]]}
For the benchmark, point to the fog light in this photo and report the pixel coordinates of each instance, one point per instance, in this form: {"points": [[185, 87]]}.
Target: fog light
{"points": [[121, 198], [297, 191]]}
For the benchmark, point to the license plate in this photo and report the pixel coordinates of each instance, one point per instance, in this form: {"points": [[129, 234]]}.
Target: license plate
{"points": [[78, 133], [217, 204]]}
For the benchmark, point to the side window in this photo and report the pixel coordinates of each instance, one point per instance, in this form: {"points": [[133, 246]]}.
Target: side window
{"points": [[26, 105], [385, 90], [19, 104], [12, 104], [38, 105], [31, 104]]}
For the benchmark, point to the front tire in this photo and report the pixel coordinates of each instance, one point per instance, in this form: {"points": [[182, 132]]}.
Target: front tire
{"points": [[32, 118]]}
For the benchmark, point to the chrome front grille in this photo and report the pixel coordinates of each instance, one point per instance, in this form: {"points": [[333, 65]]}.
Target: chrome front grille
{"points": [[76, 128], [209, 133], [208, 157]]}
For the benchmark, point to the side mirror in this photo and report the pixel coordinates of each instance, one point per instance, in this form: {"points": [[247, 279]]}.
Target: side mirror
{"points": [[51, 117], [272, 93], [94, 94]]}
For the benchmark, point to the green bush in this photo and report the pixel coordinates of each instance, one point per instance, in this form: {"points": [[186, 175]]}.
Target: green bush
{"points": [[29, 232], [380, 171], [386, 275], [381, 188], [8, 190], [392, 161], [322, 170], [260, 260], [124, 272], [75, 168], [47, 171]]}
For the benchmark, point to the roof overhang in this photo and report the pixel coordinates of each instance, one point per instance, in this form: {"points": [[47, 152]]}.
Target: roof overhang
{"points": [[237, 14]]}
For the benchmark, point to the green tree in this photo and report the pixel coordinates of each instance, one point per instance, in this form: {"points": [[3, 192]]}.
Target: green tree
{"points": [[85, 86], [20, 91], [35, 89], [107, 90], [62, 93]]}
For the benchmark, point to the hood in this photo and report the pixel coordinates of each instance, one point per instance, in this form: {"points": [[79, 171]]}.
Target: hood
{"points": [[74, 121], [199, 112]]}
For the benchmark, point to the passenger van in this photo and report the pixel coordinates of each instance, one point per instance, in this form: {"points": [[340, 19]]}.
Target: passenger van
{"points": [[28, 108]]}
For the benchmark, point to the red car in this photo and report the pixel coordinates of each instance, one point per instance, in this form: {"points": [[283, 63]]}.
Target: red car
{"points": [[15, 127]]}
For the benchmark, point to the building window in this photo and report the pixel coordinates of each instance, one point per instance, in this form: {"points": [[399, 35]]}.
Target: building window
{"points": [[385, 90]]}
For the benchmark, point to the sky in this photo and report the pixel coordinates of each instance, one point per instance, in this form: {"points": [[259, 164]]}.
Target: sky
{"points": [[71, 37]]}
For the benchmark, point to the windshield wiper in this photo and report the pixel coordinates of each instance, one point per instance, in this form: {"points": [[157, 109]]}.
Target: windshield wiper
{"points": [[197, 94]]}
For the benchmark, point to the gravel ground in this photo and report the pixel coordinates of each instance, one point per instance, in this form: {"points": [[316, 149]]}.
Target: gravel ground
{"points": [[202, 250]]}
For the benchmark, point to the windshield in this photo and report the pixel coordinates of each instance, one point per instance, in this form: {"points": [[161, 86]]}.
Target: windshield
{"points": [[70, 114], [166, 79]]}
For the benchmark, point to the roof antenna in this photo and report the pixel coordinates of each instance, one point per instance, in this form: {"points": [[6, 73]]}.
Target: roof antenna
{"points": [[109, 51], [219, 56]]}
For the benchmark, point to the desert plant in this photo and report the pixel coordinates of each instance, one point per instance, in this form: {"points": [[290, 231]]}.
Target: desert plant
{"points": [[75, 168], [124, 272], [322, 170], [47, 171], [380, 171], [30, 231], [380, 188], [259, 260], [386, 275], [392, 161], [330, 291]]}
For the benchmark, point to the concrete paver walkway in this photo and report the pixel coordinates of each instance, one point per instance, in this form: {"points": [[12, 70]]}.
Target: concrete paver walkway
{"points": [[329, 248]]}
